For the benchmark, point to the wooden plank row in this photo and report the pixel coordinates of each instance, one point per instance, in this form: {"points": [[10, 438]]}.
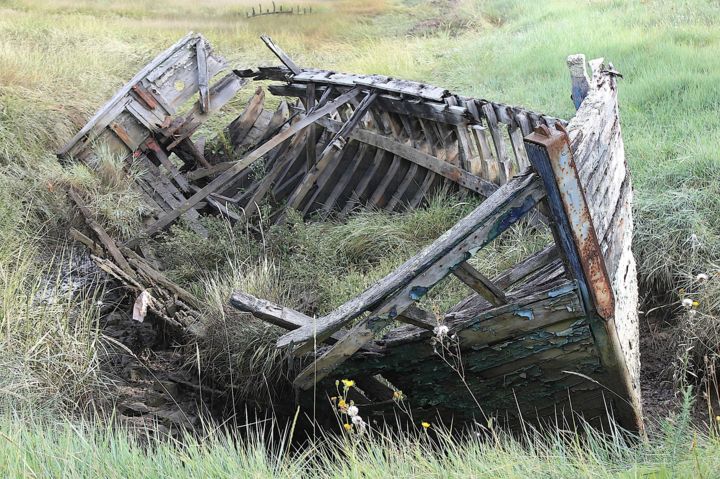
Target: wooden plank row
{"points": [[443, 168], [248, 159]]}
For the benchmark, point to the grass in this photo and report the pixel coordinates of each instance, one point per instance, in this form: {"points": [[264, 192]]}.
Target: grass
{"points": [[63, 59], [34, 446]]}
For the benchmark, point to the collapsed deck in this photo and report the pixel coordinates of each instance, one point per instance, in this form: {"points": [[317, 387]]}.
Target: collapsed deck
{"points": [[553, 336]]}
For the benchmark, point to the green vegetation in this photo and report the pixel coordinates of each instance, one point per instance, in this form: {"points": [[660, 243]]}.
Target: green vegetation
{"points": [[62, 59], [31, 447]]}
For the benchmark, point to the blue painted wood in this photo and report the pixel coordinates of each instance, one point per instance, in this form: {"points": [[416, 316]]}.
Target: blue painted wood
{"points": [[540, 160]]}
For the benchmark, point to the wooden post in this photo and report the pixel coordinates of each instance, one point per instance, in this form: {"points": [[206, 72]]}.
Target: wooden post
{"points": [[549, 152], [579, 78]]}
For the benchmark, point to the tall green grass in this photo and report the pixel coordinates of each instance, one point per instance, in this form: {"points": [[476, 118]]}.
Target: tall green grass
{"points": [[34, 446]]}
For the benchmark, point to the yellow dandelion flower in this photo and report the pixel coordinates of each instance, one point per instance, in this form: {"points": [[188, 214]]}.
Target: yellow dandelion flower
{"points": [[425, 425], [347, 426], [717, 418], [348, 383], [695, 304], [342, 404]]}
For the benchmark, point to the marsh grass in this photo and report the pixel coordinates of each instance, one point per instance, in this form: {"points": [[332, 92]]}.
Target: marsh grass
{"points": [[63, 59], [36, 446]]}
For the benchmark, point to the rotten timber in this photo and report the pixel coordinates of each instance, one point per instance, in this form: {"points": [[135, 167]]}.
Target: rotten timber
{"points": [[559, 327]]}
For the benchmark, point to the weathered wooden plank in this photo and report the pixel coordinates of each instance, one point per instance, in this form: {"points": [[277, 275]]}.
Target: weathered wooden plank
{"points": [[272, 313], [280, 167], [418, 317], [145, 96], [247, 160], [553, 160], [202, 68], [481, 284], [169, 194], [362, 156], [162, 157], [102, 235], [378, 197], [396, 199], [241, 126], [379, 82], [443, 168], [282, 56], [487, 221], [498, 141], [526, 267], [329, 177], [428, 110], [310, 145], [104, 115], [220, 93], [365, 181], [333, 149]]}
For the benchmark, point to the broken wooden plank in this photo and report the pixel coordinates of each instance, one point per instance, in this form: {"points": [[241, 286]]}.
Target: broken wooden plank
{"points": [[486, 222], [286, 318], [478, 282], [246, 161], [526, 267], [280, 167], [88, 132], [103, 236], [310, 145], [418, 317], [202, 67], [241, 126], [333, 148], [282, 56], [220, 93], [162, 157]]}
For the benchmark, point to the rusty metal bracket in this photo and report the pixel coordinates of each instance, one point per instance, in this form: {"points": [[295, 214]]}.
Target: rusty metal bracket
{"points": [[550, 154]]}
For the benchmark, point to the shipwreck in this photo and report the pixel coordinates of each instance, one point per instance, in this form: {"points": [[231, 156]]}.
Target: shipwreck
{"points": [[554, 336]]}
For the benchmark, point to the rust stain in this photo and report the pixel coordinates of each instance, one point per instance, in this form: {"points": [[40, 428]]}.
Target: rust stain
{"points": [[557, 144], [121, 133], [145, 96]]}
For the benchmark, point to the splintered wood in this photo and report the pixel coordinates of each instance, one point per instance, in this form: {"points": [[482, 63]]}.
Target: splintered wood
{"points": [[534, 342]]}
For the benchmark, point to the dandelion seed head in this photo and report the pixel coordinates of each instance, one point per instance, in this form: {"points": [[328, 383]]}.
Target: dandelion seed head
{"points": [[441, 331]]}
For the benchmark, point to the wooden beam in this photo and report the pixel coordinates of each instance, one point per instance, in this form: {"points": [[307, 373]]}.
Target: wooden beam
{"points": [[286, 318], [415, 277], [526, 267], [443, 168], [429, 110], [418, 317], [269, 312], [312, 134], [550, 154], [246, 161], [105, 239], [241, 126], [478, 282], [201, 54], [333, 148], [282, 56]]}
